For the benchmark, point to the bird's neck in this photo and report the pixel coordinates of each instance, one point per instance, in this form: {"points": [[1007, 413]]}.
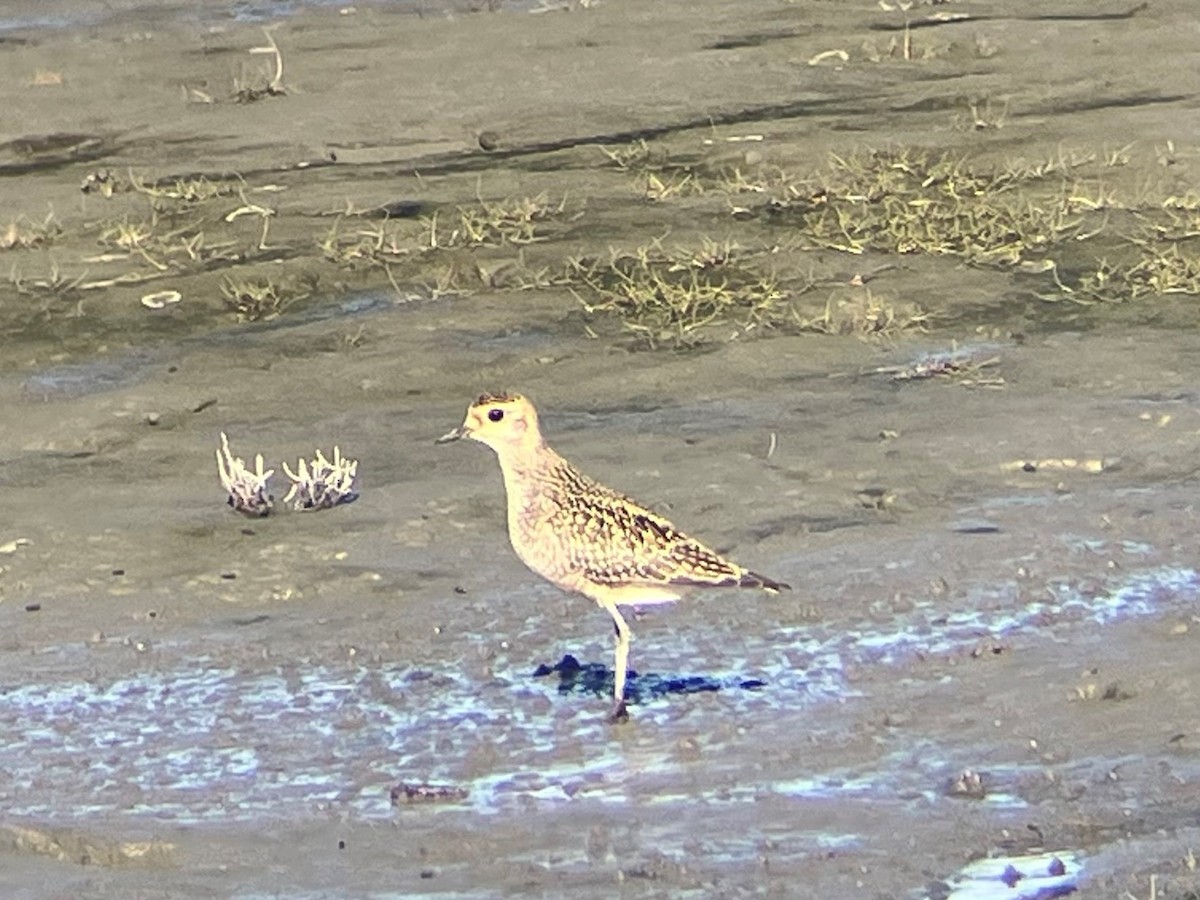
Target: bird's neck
{"points": [[524, 467]]}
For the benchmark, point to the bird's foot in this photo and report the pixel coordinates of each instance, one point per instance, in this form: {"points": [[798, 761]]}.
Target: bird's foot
{"points": [[619, 714]]}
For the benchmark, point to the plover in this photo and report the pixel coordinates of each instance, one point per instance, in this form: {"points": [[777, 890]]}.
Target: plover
{"points": [[585, 537]]}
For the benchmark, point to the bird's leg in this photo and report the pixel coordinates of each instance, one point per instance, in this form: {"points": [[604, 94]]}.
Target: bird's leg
{"points": [[620, 665]]}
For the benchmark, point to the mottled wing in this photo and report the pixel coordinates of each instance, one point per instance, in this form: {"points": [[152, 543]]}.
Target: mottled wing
{"points": [[615, 541]]}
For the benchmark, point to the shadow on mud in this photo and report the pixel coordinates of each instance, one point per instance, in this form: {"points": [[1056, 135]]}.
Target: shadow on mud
{"points": [[575, 677]]}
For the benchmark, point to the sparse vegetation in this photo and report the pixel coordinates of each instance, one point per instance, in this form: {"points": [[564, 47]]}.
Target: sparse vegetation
{"points": [[24, 234], [1033, 215], [1173, 268], [190, 190], [163, 251], [911, 202], [53, 285], [518, 221], [659, 176], [263, 82], [369, 245], [634, 156], [865, 315], [1159, 268], [261, 299], [667, 298], [1065, 219]]}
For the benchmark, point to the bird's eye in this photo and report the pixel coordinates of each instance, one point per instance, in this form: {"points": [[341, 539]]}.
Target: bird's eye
{"points": [[495, 414]]}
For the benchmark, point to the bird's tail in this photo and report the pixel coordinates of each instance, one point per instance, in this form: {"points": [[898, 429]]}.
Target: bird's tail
{"points": [[754, 580]]}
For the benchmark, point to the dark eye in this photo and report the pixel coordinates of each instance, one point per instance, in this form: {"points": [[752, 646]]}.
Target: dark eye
{"points": [[495, 414]]}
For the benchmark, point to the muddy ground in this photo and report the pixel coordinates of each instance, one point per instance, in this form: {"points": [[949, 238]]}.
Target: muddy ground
{"points": [[990, 648]]}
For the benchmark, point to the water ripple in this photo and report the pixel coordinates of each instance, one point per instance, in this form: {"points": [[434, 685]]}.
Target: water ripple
{"points": [[214, 742]]}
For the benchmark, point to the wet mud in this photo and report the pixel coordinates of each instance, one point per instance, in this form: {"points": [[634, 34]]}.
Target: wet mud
{"points": [[984, 682]]}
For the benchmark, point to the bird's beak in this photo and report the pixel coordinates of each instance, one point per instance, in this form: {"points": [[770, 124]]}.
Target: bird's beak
{"points": [[455, 435]]}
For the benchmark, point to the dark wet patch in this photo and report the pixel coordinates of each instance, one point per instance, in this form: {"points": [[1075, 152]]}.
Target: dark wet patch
{"points": [[399, 209], [477, 160], [975, 528], [969, 19], [44, 144], [511, 339], [38, 152], [119, 371], [811, 524], [1092, 102], [82, 379], [243, 621], [753, 39]]}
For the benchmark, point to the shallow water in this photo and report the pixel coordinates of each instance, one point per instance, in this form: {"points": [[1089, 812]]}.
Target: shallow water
{"points": [[211, 743], [1039, 877], [68, 15], [954, 619]]}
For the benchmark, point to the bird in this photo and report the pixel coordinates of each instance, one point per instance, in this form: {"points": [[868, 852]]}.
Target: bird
{"points": [[587, 538]]}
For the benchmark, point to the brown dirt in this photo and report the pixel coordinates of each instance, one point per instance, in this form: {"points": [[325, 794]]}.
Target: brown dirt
{"points": [[240, 696]]}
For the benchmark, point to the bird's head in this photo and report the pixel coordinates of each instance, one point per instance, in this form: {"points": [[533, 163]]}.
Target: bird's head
{"points": [[502, 421]]}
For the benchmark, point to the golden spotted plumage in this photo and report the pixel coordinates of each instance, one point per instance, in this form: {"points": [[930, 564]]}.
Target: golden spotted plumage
{"points": [[571, 529], [586, 537]]}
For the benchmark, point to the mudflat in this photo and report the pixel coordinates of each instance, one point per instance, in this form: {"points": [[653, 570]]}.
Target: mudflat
{"points": [[895, 305]]}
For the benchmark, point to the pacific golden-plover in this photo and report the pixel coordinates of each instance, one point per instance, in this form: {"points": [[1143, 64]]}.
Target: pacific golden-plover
{"points": [[585, 537]]}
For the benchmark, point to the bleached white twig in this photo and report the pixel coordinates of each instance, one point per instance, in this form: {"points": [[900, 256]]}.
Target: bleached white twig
{"points": [[247, 489], [322, 484]]}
